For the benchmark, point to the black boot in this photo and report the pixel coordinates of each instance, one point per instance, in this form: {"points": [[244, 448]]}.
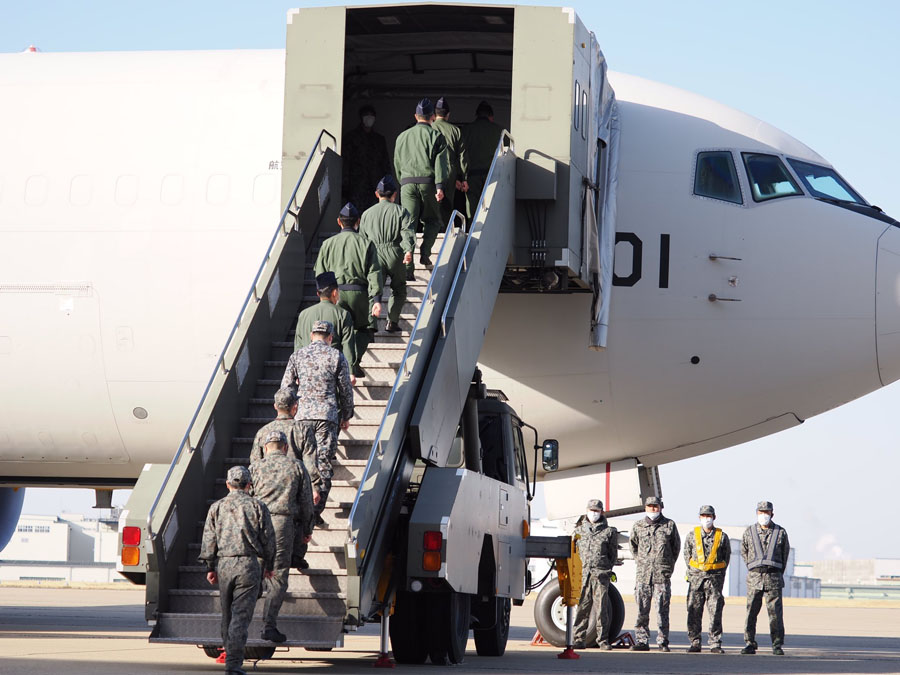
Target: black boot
{"points": [[392, 327], [272, 634]]}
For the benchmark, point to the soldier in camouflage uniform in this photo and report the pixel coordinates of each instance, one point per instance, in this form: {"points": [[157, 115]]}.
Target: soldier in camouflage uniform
{"points": [[598, 550], [707, 552], [354, 261], [322, 378], [366, 158], [390, 229], [765, 548], [423, 169], [285, 408], [456, 153], [238, 533], [655, 544], [480, 140], [282, 484], [327, 309]]}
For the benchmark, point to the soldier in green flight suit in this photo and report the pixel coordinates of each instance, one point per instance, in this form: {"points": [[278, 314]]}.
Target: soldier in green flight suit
{"points": [[354, 261], [390, 228], [480, 139], [327, 309], [456, 154], [422, 165]]}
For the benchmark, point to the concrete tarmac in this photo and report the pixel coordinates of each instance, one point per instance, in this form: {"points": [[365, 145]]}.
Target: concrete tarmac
{"points": [[45, 631]]}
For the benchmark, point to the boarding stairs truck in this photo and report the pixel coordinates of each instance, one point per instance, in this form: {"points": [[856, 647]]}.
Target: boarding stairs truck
{"points": [[427, 523]]}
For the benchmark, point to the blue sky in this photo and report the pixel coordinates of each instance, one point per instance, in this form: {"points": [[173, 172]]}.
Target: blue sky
{"points": [[825, 72]]}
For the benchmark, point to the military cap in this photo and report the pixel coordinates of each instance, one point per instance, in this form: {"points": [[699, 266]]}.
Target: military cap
{"points": [[484, 108], [595, 505], [425, 108], [653, 501], [349, 211], [323, 327], [442, 104], [764, 506], [387, 185], [325, 280], [238, 476], [276, 437], [707, 510], [285, 398]]}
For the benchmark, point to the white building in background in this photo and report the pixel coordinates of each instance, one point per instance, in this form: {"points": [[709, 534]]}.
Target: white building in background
{"points": [[67, 548]]}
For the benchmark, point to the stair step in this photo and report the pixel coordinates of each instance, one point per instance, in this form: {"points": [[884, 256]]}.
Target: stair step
{"points": [[205, 628], [201, 601], [308, 581]]}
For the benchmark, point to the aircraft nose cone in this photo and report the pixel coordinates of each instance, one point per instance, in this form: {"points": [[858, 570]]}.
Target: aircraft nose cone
{"points": [[887, 306]]}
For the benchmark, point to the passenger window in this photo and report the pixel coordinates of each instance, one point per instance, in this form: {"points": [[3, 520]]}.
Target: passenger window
{"points": [[769, 178], [575, 116], [521, 464], [584, 112], [716, 177]]}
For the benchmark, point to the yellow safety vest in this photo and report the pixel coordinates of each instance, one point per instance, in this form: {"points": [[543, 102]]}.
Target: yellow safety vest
{"points": [[699, 560]]}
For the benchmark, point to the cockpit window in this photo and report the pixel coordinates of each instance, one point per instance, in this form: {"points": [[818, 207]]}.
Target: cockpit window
{"points": [[716, 177], [825, 183], [769, 177]]}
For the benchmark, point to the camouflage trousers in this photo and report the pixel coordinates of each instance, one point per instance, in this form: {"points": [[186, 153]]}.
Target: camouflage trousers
{"points": [[705, 590], [284, 551], [420, 201], [592, 616], [239, 583], [644, 594], [776, 615], [319, 451]]}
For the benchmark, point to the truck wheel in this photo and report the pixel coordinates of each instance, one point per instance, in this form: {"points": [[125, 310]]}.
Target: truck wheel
{"points": [[494, 615], [449, 617], [409, 640], [550, 615], [212, 652], [258, 653], [617, 612]]}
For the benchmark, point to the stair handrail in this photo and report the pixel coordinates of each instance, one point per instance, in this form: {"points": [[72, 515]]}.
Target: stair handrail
{"points": [[252, 295]]}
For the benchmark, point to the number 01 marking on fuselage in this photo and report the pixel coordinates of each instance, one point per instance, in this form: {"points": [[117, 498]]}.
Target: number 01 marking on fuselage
{"points": [[637, 259]]}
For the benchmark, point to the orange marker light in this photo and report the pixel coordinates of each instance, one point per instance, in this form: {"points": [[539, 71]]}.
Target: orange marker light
{"points": [[131, 555], [431, 561]]}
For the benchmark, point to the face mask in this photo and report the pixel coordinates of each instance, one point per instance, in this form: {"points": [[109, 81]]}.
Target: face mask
{"points": [[593, 516], [368, 121], [653, 515], [706, 522], [764, 519]]}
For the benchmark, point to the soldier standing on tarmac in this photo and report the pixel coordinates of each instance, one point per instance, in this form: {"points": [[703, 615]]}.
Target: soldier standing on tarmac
{"points": [[285, 409], [655, 544], [389, 227], [706, 555], [327, 309], [456, 154], [765, 549], [322, 378], [422, 164], [480, 140], [354, 262], [598, 548], [282, 484], [238, 533]]}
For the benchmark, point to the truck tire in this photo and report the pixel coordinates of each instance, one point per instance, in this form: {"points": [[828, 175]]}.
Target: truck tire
{"points": [[494, 616], [212, 652], [409, 640], [549, 615], [258, 653], [449, 617]]}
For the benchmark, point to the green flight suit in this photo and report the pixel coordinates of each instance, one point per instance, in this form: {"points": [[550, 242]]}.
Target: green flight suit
{"points": [[390, 228], [456, 153], [480, 139], [422, 165], [354, 261], [344, 334]]}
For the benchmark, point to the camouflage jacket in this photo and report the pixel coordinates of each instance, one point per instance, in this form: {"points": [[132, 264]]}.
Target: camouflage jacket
{"points": [[344, 334], [765, 578], [238, 525], [597, 544], [283, 485], [421, 152], [723, 553], [480, 139], [353, 260], [288, 427], [456, 151], [388, 226], [655, 546], [321, 376]]}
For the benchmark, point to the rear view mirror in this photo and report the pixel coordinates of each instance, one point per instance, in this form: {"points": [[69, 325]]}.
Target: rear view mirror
{"points": [[550, 455]]}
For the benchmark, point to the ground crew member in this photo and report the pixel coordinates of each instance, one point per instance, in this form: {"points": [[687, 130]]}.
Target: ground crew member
{"points": [[238, 533], [480, 140], [599, 550], [423, 169], [327, 309], [655, 544], [285, 408], [390, 228], [282, 484], [455, 154], [706, 554], [354, 262], [322, 377], [366, 159], [765, 549]]}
